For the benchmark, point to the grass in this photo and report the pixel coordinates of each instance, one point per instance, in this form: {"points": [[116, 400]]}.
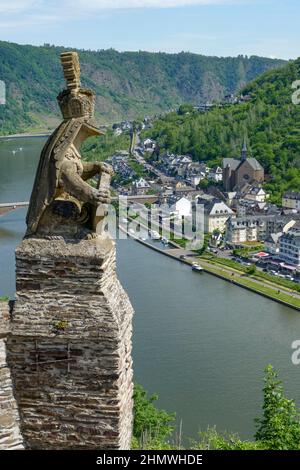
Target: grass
{"points": [[225, 262], [270, 292], [279, 281], [4, 298], [259, 275], [179, 241], [287, 298], [253, 245]]}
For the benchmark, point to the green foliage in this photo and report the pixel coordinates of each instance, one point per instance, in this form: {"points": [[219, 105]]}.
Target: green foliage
{"points": [[204, 184], [278, 280], [205, 245], [212, 440], [152, 426], [103, 147], [4, 298], [251, 270], [243, 252], [179, 241], [61, 325], [185, 109], [279, 427], [127, 84], [137, 167], [270, 121]]}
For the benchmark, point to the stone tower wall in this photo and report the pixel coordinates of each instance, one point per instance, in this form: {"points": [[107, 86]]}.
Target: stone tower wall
{"points": [[70, 346], [10, 436]]}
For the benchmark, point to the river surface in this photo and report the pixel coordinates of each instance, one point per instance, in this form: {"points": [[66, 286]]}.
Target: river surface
{"points": [[199, 342]]}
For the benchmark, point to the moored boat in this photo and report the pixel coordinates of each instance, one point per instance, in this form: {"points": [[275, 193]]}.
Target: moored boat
{"points": [[197, 267]]}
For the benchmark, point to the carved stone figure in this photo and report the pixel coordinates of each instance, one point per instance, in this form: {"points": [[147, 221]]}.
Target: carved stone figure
{"points": [[68, 334], [62, 203]]}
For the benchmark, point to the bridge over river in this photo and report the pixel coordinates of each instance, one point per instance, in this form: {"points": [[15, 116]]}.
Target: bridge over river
{"points": [[7, 207], [11, 206]]}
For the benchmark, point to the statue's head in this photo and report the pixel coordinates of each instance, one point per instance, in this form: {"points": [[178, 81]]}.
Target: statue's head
{"points": [[77, 103], [74, 102]]}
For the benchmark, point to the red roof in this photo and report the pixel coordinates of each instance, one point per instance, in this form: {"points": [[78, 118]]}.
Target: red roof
{"points": [[262, 254]]}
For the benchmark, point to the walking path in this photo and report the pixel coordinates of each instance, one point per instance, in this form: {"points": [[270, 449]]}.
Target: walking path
{"points": [[235, 273]]}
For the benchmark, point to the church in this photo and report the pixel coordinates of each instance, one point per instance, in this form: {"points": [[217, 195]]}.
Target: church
{"points": [[238, 173]]}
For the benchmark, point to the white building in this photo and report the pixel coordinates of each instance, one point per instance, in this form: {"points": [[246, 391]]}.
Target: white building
{"points": [[216, 215], [183, 207], [216, 174], [272, 243], [194, 180], [289, 247], [140, 186], [256, 194], [245, 229], [118, 131], [291, 200], [149, 144]]}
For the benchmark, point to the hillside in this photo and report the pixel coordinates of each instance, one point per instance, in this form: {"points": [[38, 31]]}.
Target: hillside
{"points": [[271, 123], [128, 85]]}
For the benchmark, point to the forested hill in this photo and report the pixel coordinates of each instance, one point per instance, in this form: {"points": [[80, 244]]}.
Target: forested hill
{"points": [[270, 122], [128, 85]]}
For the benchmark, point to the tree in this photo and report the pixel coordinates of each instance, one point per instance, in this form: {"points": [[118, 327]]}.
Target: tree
{"points": [[279, 427], [251, 270], [151, 426]]}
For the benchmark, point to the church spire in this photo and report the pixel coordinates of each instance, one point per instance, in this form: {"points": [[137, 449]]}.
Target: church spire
{"points": [[244, 153]]}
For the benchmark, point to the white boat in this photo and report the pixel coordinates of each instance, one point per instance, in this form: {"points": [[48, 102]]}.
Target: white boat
{"points": [[197, 267]]}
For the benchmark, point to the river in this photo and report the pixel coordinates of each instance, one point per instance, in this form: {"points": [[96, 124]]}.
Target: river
{"points": [[199, 342]]}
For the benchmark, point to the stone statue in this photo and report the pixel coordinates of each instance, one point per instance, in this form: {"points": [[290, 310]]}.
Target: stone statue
{"points": [[68, 334], [63, 204]]}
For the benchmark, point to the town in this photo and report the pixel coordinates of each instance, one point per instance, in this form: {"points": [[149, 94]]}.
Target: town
{"points": [[240, 224]]}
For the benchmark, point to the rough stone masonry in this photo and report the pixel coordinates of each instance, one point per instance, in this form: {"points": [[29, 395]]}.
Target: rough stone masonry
{"points": [[69, 349], [10, 436]]}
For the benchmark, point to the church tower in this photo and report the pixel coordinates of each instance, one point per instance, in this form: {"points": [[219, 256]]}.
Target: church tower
{"points": [[244, 154]]}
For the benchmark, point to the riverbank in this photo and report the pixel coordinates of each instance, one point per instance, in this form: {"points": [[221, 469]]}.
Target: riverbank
{"points": [[273, 292]]}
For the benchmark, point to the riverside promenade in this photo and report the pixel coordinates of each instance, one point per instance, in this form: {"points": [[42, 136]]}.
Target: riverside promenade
{"points": [[265, 288]]}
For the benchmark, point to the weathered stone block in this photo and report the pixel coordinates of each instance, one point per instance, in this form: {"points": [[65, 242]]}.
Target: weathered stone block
{"points": [[10, 436], [69, 349]]}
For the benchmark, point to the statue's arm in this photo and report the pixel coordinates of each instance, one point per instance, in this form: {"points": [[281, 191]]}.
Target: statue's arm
{"points": [[91, 169], [74, 184]]}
